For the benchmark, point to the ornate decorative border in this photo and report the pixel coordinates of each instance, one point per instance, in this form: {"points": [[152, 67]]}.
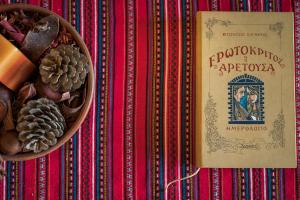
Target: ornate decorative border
{"points": [[277, 132], [216, 142], [212, 22]]}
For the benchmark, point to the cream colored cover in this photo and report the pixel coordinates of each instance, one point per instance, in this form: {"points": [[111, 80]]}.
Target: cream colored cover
{"points": [[245, 93]]}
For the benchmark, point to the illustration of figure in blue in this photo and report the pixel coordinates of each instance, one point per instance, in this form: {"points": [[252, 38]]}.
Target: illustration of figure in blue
{"points": [[245, 101]]}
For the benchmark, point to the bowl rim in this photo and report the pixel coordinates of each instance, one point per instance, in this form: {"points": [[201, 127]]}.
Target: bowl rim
{"points": [[90, 84]]}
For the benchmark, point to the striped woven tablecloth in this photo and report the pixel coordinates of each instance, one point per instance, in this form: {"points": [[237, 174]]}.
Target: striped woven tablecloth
{"points": [[139, 134]]}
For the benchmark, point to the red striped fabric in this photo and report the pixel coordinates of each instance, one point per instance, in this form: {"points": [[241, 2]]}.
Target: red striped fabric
{"points": [[118, 135], [139, 134]]}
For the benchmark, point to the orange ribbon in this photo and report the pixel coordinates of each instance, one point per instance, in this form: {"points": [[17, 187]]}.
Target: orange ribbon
{"points": [[15, 67]]}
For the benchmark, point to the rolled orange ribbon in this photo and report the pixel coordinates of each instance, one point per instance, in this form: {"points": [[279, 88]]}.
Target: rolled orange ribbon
{"points": [[15, 67]]}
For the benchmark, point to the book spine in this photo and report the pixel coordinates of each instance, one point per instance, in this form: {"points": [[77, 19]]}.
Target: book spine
{"points": [[198, 87]]}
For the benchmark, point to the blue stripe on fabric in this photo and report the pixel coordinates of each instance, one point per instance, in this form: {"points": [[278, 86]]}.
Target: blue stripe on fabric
{"points": [[183, 113], [62, 183], [232, 5], [77, 15], [269, 182], [282, 192], [247, 184], [266, 5], [161, 98], [98, 91], [21, 179], [64, 9], [8, 180], [245, 7], [75, 139], [234, 184]]}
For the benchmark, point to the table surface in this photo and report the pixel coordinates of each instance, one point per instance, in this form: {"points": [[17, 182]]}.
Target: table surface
{"points": [[139, 134]]}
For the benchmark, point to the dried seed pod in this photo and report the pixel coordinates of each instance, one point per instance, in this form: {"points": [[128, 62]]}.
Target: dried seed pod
{"points": [[45, 91], [5, 93], [3, 110], [2, 169], [41, 37], [27, 92], [12, 31], [9, 143], [5, 115], [64, 37]]}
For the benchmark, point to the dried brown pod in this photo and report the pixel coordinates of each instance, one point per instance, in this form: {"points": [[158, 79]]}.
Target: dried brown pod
{"points": [[40, 37], [26, 93], [72, 107], [64, 37], [9, 143], [9, 123], [2, 128], [5, 95], [22, 21], [45, 91], [3, 110], [16, 34], [2, 169], [3, 16]]}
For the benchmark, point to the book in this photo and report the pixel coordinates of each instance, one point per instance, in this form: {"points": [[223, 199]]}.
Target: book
{"points": [[245, 90]]}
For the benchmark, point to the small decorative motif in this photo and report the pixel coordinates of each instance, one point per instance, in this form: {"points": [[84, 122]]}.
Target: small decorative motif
{"points": [[277, 28], [211, 22], [277, 132], [217, 142], [246, 100], [213, 138]]}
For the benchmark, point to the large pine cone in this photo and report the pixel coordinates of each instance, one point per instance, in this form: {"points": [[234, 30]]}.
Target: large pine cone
{"points": [[40, 123], [64, 68]]}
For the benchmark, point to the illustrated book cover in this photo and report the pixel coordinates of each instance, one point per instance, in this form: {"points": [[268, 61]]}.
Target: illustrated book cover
{"points": [[245, 90]]}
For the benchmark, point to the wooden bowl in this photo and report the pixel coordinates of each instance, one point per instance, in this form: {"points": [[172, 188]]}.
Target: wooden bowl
{"points": [[90, 82]]}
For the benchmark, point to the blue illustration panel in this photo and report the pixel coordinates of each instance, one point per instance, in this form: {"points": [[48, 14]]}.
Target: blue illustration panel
{"points": [[246, 100]]}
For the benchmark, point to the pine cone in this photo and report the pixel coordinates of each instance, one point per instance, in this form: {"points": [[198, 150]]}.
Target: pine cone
{"points": [[64, 68], [40, 123]]}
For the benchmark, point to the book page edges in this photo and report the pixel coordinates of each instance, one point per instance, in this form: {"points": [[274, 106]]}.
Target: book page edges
{"points": [[295, 91]]}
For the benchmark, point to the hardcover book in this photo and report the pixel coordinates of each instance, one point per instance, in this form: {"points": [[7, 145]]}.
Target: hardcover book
{"points": [[245, 90]]}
